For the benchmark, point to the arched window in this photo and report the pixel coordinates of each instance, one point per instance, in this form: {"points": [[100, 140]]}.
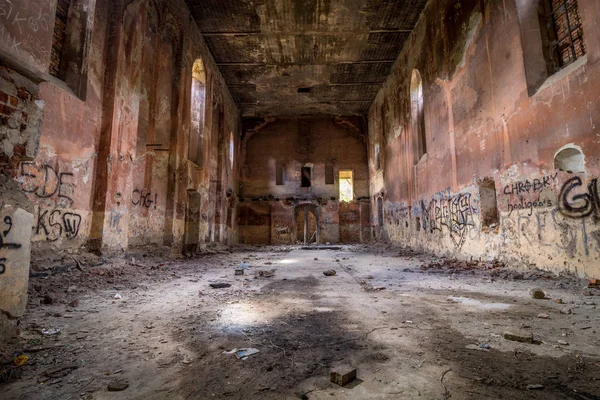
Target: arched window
{"points": [[196, 140], [231, 149], [417, 116]]}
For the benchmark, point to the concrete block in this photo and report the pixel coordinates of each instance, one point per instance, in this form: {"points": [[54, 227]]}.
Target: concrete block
{"points": [[517, 335], [15, 257], [342, 375]]}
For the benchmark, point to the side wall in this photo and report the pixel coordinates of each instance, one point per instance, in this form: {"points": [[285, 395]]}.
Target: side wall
{"points": [[485, 127], [112, 170], [272, 213]]}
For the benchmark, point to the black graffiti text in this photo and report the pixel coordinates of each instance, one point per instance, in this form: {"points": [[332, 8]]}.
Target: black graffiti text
{"points": [[143, 198], [44, 181], [4, 245], [528, 205], [574, 203], [57, 223], [528, 186]]}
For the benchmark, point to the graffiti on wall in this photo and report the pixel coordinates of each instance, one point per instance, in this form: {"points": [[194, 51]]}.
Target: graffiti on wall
{"points": [[144, 198], [573, 202], [455, 214], [46, 182], [533, 186], [56, 223], [529, 205], [8, 224]]}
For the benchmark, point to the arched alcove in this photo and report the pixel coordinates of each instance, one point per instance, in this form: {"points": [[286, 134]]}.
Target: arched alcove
{"points": [[570, 159]]}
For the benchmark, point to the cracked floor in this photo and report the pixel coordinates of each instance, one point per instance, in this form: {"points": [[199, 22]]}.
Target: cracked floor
{"points": [[405, 328]]}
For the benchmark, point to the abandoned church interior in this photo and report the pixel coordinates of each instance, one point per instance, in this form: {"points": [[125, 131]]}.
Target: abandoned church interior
{"points": [[299, 199]]}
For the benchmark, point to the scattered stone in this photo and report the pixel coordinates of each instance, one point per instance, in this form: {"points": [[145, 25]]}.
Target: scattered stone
{"points": [[589, 303], [220, 285], [543, 316], [567, 311], [72, 289], [476, 347], [74, 303], [538, 294], [331, 272], [117, 386], [563, 342], [558, 301], [517, 335], [59, 372], [267, 273], [342, 375], [407, 270], [535, 387]]}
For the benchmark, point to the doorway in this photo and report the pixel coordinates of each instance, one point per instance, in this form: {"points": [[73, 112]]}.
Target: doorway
{"points": [[192, 222], [307, 228]]}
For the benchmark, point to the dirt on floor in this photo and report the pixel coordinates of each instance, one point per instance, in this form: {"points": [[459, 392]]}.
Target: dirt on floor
{"points": [[144, 326]]}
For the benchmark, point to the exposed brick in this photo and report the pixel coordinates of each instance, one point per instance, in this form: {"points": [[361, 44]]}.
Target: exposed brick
{"points": [[3, 97], [23, 94], [6, 110], [14, 101]]}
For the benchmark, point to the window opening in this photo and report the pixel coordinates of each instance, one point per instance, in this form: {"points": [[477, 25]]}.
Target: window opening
{"points": [[565, 33], [377, 157], [58, 39], [306, 177], [380, 211], [346, 179], [329, 180], [196, 139], [418, 115], [280, 175], [231, 150], [489, 205]]}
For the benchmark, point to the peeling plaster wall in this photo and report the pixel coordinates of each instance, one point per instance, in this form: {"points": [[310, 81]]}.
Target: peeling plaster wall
{"points": [[482, 124], [268, 212]]}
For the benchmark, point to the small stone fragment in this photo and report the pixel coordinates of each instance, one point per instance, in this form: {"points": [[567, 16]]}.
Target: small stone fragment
{"points": [[517, 335], [563, 342], [538, 294], [331, 272], [342, 375], [117, 386], [535, 387], [543, 316]]}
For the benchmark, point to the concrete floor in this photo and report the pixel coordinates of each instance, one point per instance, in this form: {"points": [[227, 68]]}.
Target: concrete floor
{"points": [[168, 333]]}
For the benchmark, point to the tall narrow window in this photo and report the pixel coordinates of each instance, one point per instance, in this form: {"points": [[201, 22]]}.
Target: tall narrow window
{"points": [[196, 139], [58, 39], [346, 186], [329, 174], [377, 157], [231, 149], [418, 116], [280, 174], [562, 33], [306, 179]]}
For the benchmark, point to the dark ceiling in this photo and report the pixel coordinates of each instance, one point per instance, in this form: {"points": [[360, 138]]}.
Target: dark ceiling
{"points": [[305, 57]]}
